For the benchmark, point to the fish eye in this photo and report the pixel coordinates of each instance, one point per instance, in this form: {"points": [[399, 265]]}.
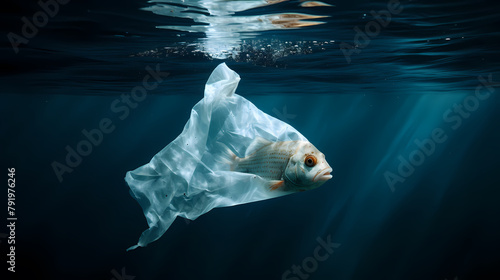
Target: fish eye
{"points": [[310, 161]]}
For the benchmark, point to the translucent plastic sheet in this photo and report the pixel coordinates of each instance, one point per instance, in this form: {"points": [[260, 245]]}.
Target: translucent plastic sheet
{"points": [[187, 178]]}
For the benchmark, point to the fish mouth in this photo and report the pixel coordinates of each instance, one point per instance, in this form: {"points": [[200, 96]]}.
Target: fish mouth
{"points": [[323, 175]]}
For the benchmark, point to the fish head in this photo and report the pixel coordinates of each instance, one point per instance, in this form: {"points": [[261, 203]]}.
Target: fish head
{"points": [[307, 168]]}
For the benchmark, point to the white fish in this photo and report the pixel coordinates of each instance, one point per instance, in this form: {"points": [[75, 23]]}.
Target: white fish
{"points": [[288, 165]]}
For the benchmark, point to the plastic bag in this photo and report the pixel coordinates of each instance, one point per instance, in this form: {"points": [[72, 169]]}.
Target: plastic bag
{"points": [[187, 178]]}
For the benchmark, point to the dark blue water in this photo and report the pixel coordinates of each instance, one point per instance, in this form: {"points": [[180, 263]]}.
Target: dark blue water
{"points": [[410, 124]]}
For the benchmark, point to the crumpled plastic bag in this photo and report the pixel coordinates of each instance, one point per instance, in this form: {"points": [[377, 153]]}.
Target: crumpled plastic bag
{"points": [[187, 178]]}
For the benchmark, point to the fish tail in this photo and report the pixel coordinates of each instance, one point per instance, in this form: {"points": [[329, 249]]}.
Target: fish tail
{"points": [[227, 157]]}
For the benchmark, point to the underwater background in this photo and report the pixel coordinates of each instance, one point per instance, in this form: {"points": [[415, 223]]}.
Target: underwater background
{"points": [[401, 96]]}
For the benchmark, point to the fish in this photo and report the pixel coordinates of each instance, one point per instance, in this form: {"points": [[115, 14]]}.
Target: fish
{"points": [[287, 165]]}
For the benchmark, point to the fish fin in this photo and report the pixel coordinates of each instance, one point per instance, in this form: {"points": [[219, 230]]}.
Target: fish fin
{"points": [[258, 143], [226, 156], [276, 184]]}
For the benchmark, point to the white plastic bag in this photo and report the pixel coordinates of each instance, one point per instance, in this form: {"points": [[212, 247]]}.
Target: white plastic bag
{"points": [[187, 178]]}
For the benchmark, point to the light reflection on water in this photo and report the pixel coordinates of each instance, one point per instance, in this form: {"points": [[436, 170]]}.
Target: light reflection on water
{"points": [[224, 31]]}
